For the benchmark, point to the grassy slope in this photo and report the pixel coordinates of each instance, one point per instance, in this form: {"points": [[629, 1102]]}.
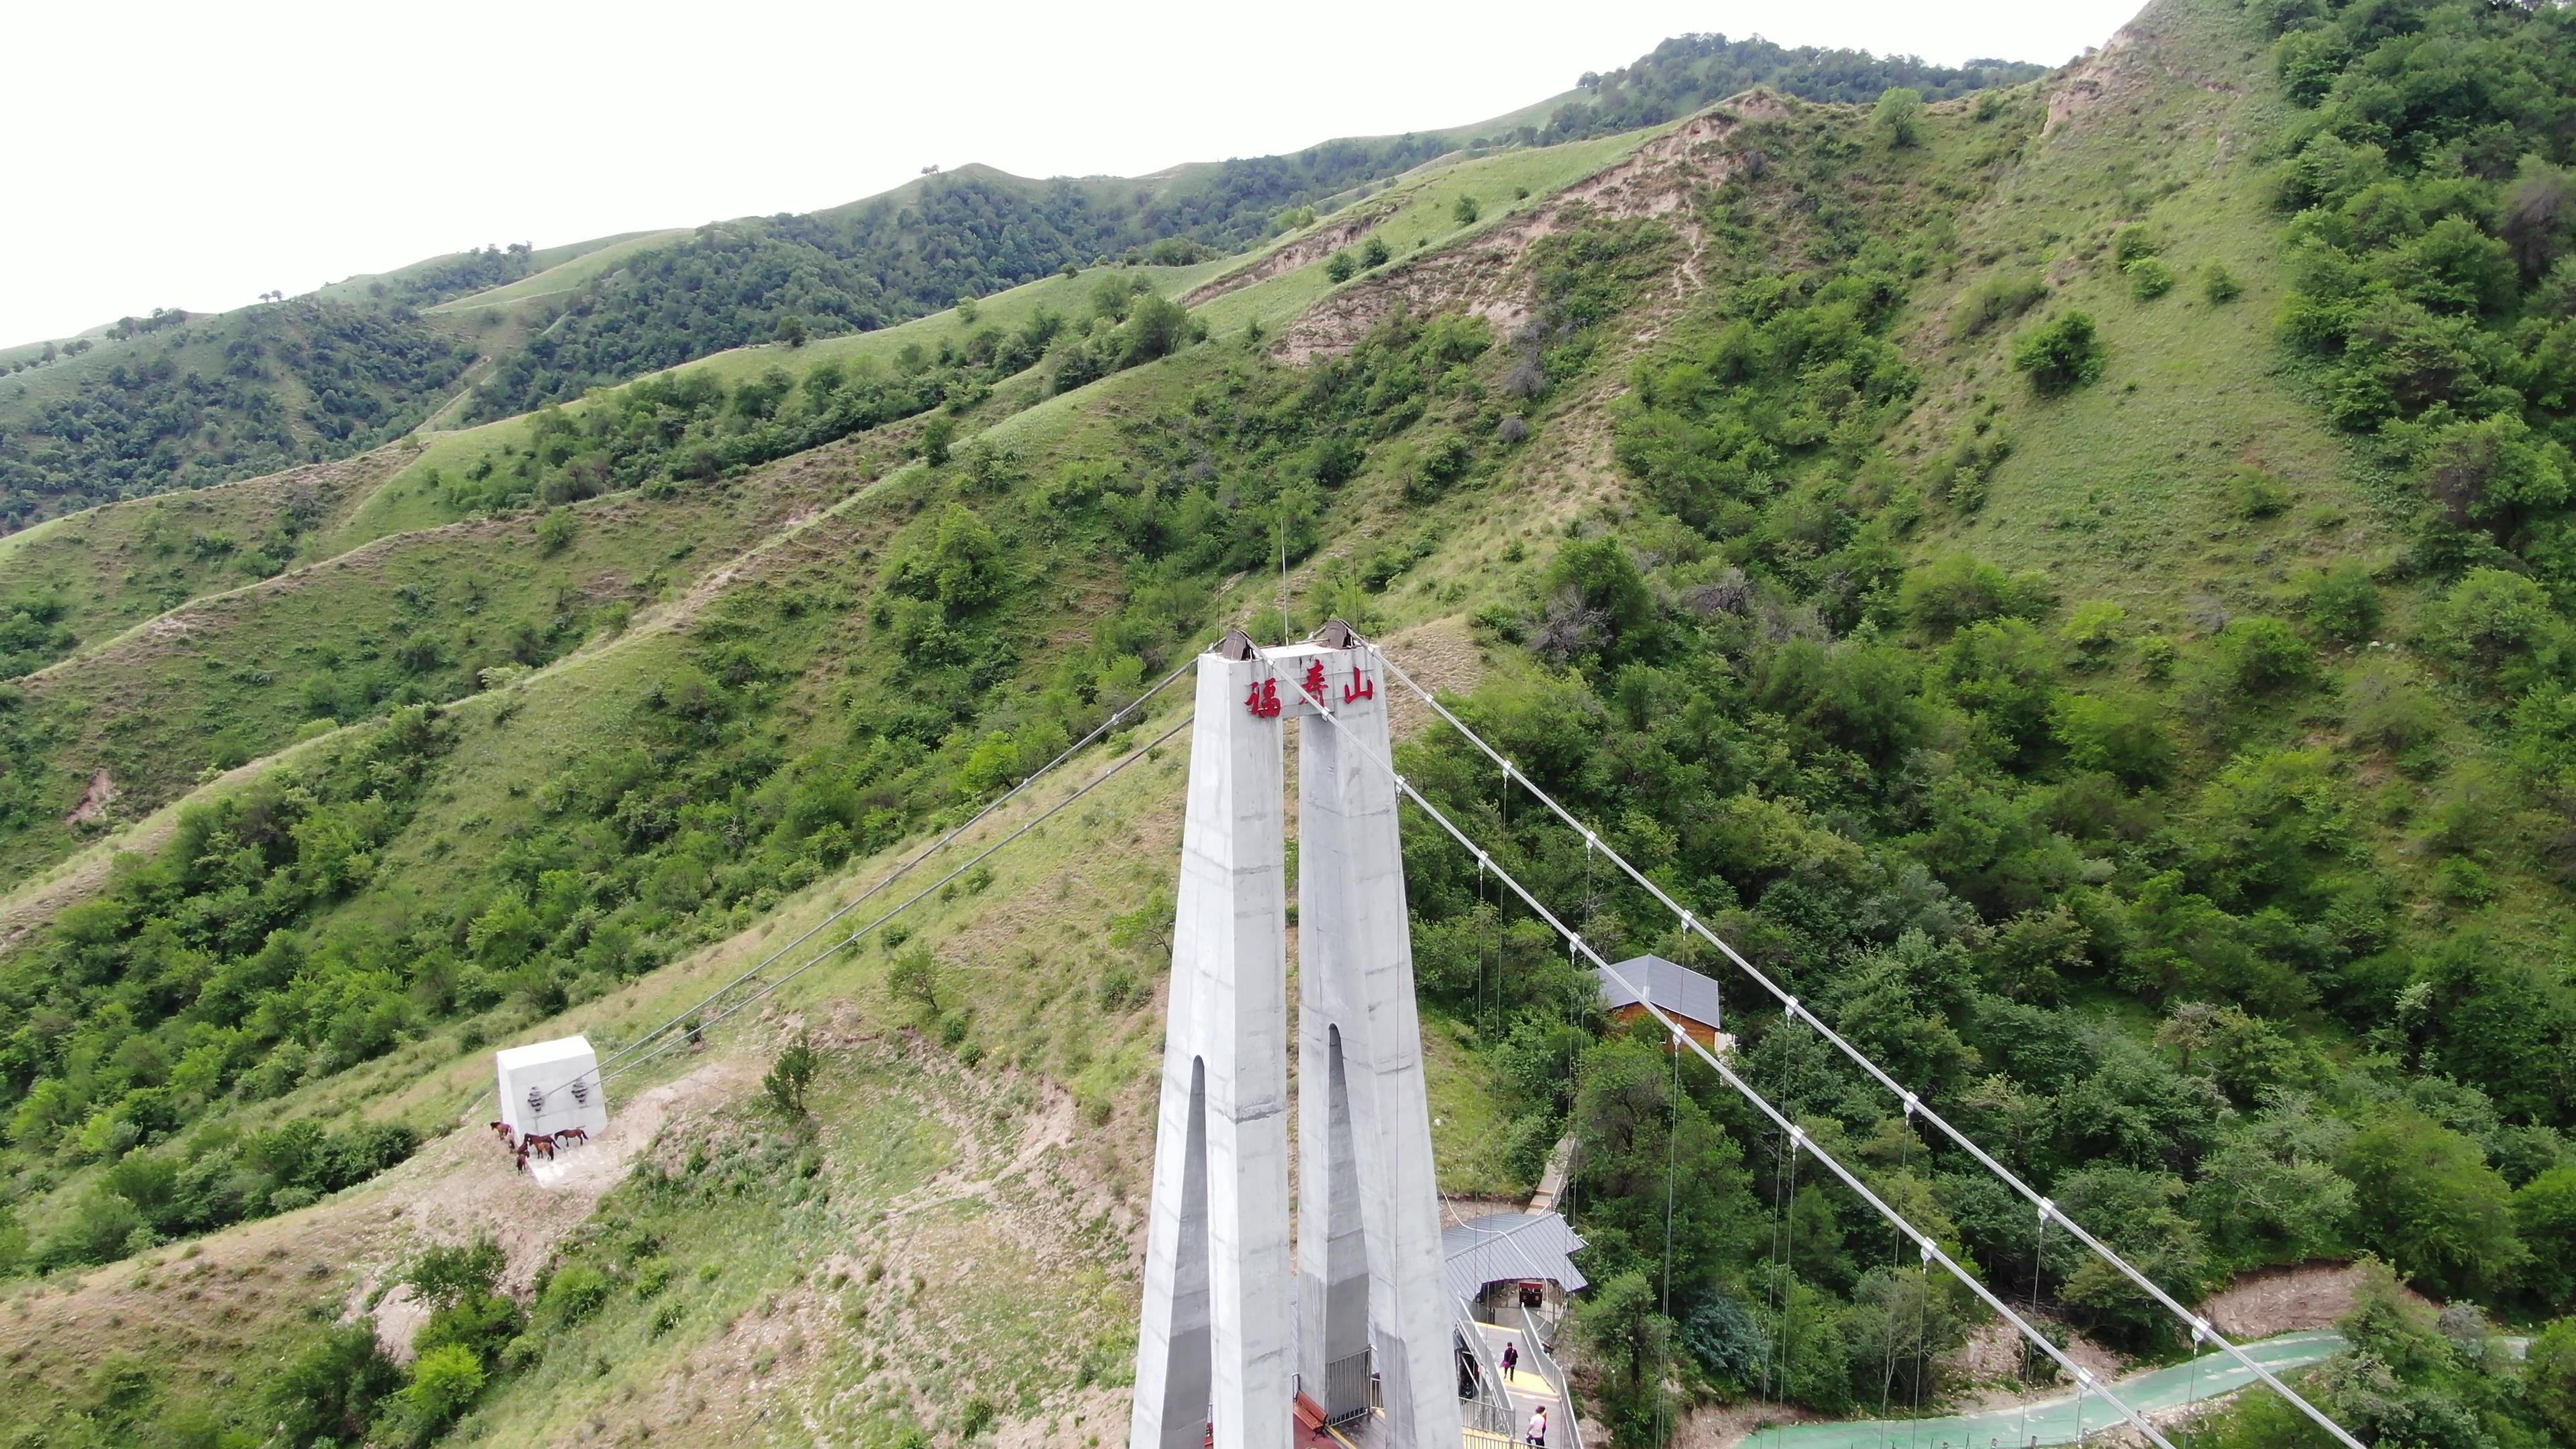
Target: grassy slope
{"points": [[1416, 212], [361, 287], [146, 704], [32, 389], [1419, 211], [568, 275], [2121, 491], [409, 500], [121, 563]]}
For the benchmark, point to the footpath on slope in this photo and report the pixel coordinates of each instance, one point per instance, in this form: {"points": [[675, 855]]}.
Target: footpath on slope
{"points": [[2068, 1418]]}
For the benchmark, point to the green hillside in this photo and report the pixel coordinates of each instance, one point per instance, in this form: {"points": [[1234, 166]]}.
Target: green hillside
{"points": [[85, 577], [482, 269], [2064, 576], [171, 401], [186, 401]]}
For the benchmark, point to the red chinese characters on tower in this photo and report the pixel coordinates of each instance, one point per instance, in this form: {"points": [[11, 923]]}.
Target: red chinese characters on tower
{"points": [[1264, 700], [1361, 686], [1315, 680]]}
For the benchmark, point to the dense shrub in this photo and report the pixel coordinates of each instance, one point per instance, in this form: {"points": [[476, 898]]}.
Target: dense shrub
{"points": [[330, 1392], [1897, 119], [2257, 655], [2059, 355], [2343, 602]]}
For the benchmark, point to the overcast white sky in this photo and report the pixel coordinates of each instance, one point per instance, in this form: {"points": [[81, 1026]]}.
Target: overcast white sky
{"points": [[195, 155]]}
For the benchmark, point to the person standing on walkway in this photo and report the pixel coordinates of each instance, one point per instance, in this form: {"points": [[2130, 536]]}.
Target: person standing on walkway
{"points": [[1511, 1356], [1536, 1438]]}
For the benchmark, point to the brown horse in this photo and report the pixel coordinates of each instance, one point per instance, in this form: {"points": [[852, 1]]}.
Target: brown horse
{"points": [[572, 1137]]}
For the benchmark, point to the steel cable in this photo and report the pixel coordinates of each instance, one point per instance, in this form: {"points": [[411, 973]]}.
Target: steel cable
{"points": [[1692, 925], [1932, 1251], [600, 1070]]}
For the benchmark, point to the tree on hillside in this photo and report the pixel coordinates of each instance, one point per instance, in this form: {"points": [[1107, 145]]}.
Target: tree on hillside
{"points": [[1630, 1344], [2550, 1377], [793, 331], [914, 977], [2544, 1212], [1898, 117], [2061, 354], [791, 1074], [448, 1274], [2432, 1204]]}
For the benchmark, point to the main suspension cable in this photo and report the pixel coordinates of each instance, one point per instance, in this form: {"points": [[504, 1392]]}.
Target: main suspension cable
{"points": [[1931, 1250], [600, 1069], [1691, 924], [819, 957]]}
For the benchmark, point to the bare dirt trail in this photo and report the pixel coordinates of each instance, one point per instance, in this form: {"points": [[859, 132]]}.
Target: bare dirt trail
{"points": [[33, 903]]}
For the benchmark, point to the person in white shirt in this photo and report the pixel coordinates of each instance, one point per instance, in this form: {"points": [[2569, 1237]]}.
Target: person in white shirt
{"points": [[1536, 1438]]}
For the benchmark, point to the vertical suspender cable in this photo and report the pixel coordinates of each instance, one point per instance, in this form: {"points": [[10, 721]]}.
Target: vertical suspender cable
{"points": [[1896, 1259], [1932, 1251], [2038, 1260], [1922, 1332], [1984, 1158], [1672, 1161], [2191, 1403]]}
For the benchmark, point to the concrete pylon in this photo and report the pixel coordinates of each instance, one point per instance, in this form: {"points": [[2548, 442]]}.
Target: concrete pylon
{"points": [[1218, 1324], [1224, 1332], [1369, 1262]]}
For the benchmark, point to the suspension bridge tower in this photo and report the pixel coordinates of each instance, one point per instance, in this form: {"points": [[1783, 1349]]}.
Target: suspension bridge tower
{"points": [[1233, 1331]]}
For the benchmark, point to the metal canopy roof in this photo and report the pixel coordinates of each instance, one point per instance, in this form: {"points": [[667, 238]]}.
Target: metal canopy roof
{"points": [[1674, 987], [1511, 1248]]}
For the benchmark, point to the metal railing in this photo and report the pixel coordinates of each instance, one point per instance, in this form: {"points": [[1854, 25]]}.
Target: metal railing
{"points": [[1489, 1409], [1570, 1434], [1350, 1390], [1483, 1416]]}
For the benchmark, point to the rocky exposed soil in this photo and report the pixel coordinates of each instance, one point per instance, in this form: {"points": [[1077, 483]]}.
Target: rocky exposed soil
{"points": [[1485, 275]]}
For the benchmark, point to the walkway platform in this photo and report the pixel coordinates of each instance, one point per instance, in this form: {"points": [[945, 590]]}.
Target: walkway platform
{"points": [[2060, 1420], [1528, 1391]]}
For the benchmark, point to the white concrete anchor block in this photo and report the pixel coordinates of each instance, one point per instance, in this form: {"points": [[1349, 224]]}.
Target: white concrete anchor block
{"points": [[548, 1086]]}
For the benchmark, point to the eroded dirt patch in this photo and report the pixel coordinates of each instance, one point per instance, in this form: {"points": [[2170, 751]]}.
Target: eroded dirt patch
{"points": [[1305, 251], [2288, 1300], [1486, 276], [102, 792]]}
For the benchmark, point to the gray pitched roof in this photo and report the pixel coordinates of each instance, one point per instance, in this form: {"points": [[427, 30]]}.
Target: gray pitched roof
{"points": [[1674, 987], [1510, 1248]]}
